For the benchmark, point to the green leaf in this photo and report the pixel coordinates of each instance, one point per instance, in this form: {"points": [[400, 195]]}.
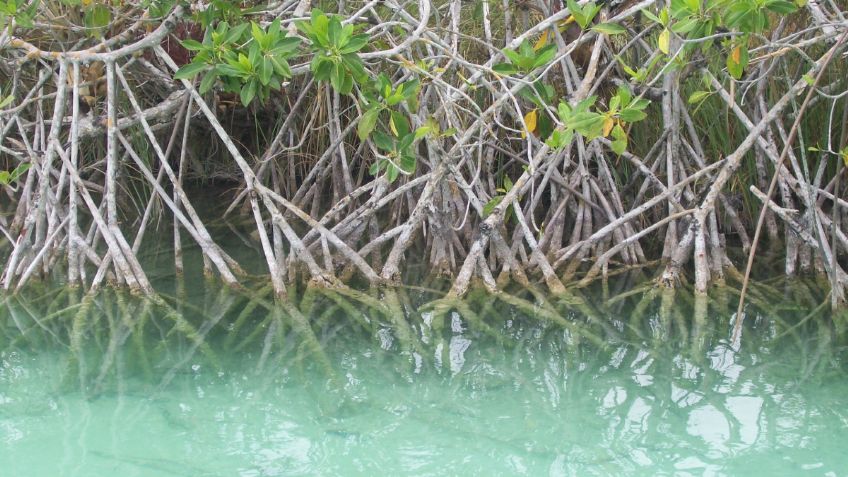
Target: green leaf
{"points": [[347, 85], [244, 63], [189, 70], [281, 67], [405, 143], [383, 141], [698, 96], [274, 30], [685, 26], [392, 172], [410, 88], [619, 143], [632, 115], [337, 74], [513, 56], [208, 81], [651, 16], [229, 70], [408, 163], [576, 12], [20, 170], [192, 45], [248, 92], [266, 69], [400, 126], [355, 43], [354, 65], [423, 131], [322, 68], [257, 33], [560, 138], [347, 33], [98, 17], [808, 78], [544, 56], [526, 50], [781, 6], [624, 94], [590, 10], [6, 101], [587, 103], [505, 69], [737, 60], [588, 124], [236, 32], [383, 85], [615, 102], [609, 28], [367, 123], [490, 205], [640, 104], [334, 31], [305, 27], [285, 46], [394, 99]]}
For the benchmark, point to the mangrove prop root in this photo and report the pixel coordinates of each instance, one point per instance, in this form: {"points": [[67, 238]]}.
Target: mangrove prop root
{"points": [[484, 194]]}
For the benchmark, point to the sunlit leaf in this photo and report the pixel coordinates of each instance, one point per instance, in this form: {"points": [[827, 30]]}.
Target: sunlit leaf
{"points": [[737, 60], [698, 96], [608, 125], [530, 120], [543, 40], [663, 42]]}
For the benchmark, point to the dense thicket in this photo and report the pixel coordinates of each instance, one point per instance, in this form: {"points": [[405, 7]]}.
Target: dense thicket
{"points": [[491, 140]]}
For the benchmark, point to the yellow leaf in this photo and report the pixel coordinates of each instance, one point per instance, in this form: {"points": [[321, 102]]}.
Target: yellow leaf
{"points": [[543, 40], [530, 120], [664, 41], [736, 54], [845, 158], [563, 24], [392, 126], [609, 123]]}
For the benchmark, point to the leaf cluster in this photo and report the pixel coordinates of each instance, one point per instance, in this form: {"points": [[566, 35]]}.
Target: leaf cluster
{"points": [[335, 48], [581, 119], [247, 59], [20, 11], [526, 59]]}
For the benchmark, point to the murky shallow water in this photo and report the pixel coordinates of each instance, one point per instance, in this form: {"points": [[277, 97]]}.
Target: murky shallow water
{"points": [[213, 387]]}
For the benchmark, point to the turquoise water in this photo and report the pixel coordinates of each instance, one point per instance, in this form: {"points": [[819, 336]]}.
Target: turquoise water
{"points": [[218, 386]]}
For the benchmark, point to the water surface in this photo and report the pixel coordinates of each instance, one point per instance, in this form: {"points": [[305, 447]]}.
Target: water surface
{"points": [[215, 384]]}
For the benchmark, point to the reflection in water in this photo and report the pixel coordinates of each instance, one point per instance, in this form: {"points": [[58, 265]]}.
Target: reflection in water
{"points": [[341, 382]]}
